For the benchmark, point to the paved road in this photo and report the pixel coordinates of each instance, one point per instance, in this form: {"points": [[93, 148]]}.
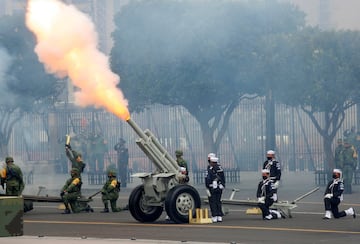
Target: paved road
{"points": [[306, 226]]}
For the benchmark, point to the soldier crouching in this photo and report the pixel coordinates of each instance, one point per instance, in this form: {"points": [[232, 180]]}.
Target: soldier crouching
{"points": [[266, 194], [71, 193], [110, 192]]}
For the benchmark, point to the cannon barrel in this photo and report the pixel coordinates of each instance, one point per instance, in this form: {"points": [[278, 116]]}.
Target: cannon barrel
{"points": [[154, 150], [137, 129]]}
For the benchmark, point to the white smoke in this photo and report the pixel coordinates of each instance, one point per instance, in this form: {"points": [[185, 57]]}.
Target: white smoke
{"points": [[5, 62]]}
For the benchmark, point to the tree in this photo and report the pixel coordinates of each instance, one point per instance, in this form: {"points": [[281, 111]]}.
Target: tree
{"points": [[25, 86], [323, 79], [197, 54]]}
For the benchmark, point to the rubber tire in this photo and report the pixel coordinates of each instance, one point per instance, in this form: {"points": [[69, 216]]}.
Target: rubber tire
{"points": [[179, 201], [138, 210]]}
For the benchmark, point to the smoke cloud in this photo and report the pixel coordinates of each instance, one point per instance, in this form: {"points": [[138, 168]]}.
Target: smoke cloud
{"points": [[5, 63], [67, 44]]}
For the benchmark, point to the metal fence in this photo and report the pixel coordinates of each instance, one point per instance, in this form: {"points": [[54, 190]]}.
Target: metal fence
{"points": [[299, 145]]}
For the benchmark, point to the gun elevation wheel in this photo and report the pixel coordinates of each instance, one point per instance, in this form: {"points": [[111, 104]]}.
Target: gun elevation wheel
{"points": [[138, 208], [179, 201]]}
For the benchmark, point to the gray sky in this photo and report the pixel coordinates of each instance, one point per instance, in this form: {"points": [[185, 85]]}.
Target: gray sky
{"points": [[344, 14]]}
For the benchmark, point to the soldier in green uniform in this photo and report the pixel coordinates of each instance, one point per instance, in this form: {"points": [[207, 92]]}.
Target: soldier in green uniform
{"points": [[122, 161], [350, 135], [110, 192], [75, 158], [13, 178], [338, 150], [71, 192], [349, 159], [182, 164], [98, 149]]}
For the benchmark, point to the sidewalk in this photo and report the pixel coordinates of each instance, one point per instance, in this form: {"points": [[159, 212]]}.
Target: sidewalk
{"points": [[63, 240]]}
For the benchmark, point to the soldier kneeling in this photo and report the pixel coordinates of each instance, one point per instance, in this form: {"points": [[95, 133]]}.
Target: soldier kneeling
{"points": [[110, 192], [71, 193], [266, 194]]}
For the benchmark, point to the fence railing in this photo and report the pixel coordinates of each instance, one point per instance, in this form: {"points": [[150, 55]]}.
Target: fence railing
{"points": [[299, 145]]}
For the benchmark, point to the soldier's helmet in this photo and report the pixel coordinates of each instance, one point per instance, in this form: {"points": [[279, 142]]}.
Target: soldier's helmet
{"points": [[75, 171], [111, 172], [178, 153], [9, 159]]}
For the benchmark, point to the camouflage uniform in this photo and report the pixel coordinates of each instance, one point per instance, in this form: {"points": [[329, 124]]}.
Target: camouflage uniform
{"points": [[110, 192], [122, 161], [13, 177], [182, 163], [98, 150], [349, 159], [75, 158], [350, 136], [71, 192]]}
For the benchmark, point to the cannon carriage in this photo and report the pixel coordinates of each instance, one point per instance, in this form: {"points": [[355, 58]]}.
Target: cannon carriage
{"points": [[166, 187]]}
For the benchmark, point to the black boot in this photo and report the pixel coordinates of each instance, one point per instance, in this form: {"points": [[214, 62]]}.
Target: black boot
{"points": [[88, 209], [106, 210], [67, 211]]}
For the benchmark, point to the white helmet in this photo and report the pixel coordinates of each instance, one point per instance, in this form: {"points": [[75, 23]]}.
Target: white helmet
{"points": [[211, 155], [338, 172], [214, 159]]}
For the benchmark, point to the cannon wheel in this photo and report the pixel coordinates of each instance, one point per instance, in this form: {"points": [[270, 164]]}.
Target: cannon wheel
{"points": [[138, 208], [179, 201]]}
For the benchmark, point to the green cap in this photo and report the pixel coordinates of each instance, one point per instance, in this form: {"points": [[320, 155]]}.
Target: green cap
{"points": [[9, 159], [111, 172], [178, 152]]}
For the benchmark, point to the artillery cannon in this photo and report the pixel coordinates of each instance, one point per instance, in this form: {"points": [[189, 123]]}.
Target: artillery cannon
{"points": [[165, 187]]}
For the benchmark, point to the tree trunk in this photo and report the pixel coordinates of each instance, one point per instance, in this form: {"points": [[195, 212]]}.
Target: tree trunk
{"points": [[208, 140], [329, 158]]}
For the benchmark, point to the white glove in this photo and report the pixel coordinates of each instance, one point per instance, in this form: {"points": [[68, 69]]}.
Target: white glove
{"points": [[208, 193], [214, 184], [274, 197], [261, 199], [328, 195], [221, 186], [277, 184]]}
